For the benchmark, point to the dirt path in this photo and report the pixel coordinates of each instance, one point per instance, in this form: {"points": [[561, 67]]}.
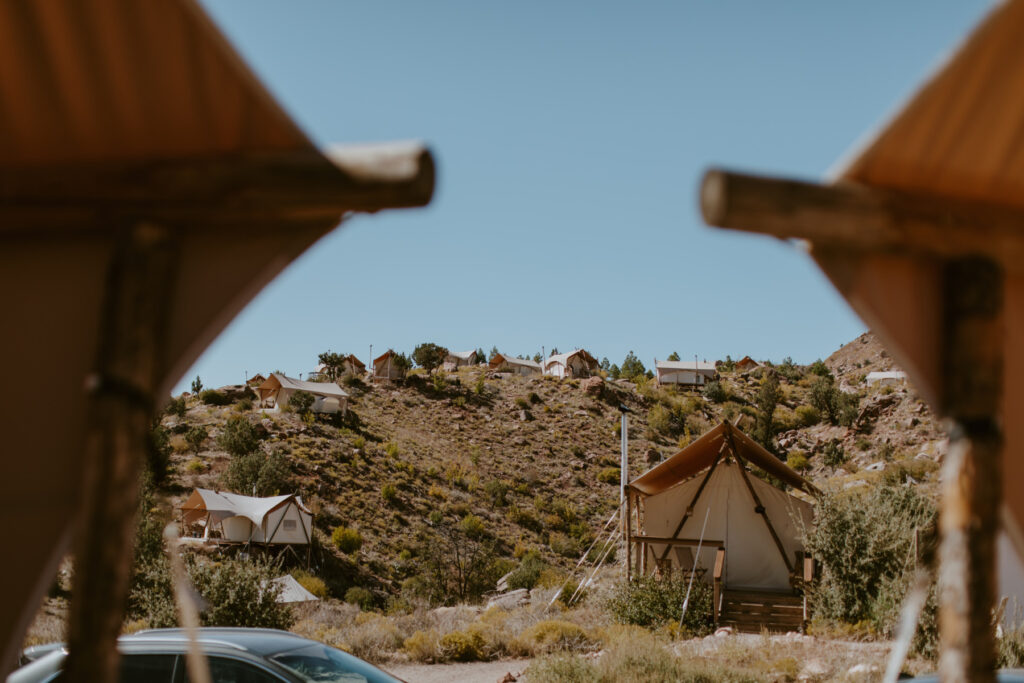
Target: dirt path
{"points": [[472, 672]]}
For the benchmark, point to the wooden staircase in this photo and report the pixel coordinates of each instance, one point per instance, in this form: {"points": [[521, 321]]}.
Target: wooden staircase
{"points": [[749, 611]]}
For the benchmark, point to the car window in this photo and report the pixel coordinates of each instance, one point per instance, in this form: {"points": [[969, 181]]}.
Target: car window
{"points": [[225, 670], [146, 668], [316, 662]]}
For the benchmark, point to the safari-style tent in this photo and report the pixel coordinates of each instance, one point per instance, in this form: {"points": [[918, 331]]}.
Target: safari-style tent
{"points": [[151, 187], [921, 229], [457, 359], [385, 367], [278, 389], [684, 372], [751, 541], [274, 520], [518, 366], [576, 363]]}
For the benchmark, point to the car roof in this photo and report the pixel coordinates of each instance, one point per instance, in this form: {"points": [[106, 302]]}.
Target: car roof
{"points": [[258, 641]]}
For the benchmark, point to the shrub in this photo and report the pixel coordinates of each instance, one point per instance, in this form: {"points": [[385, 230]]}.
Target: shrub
{"points": [[257, 474], [176, 406], [819, 368], [555, 634], [195, 466], [473, 527], [609, 475], [240, 593], [715, 392], [313, 584], [212, 397], [301, 402], [391, 449], [808, 415], [864, 542], [528, 572], [389, 493], [158, 452], [652, 602], [429, 356], [564, 546], [440, 383], [356, 595], [497, 491], [797, 460], [195, 437], [832, 454], [462, 646], [423, 646], [239, 436], [347, 540]]}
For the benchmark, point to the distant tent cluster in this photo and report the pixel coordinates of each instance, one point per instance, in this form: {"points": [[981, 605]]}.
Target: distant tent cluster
{"points": [[276, 391]]}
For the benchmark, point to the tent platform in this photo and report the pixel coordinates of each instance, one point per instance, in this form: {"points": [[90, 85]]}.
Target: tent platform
{"points": [[750, 611]]}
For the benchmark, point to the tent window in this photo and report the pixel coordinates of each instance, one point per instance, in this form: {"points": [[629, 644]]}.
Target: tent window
{"points": [[289, 525]]}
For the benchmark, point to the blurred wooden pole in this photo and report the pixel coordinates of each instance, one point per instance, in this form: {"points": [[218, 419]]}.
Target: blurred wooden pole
{"points": [[971, 482], [128, 364]]}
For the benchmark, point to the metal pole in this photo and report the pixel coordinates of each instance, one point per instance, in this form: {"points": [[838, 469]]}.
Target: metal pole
{"points": [[624, 460]]}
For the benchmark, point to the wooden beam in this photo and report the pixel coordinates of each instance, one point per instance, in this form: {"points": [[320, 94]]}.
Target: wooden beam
{"points": [[759, 506], [718, 577], [303, 184], [971, 483], [861, 218], [669, 540]]}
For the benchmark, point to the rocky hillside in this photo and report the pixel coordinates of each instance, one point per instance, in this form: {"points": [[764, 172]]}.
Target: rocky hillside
{"points": [[532, 463]]}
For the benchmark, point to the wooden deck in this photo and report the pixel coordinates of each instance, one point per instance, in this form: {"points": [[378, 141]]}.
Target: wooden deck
{"points": [[750, 611]]}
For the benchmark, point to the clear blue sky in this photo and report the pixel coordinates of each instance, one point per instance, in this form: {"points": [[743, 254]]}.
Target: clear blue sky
{"points": [[570, 138]]}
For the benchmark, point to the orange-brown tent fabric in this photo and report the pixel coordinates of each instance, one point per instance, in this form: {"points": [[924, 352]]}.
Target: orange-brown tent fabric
{"points": [[700, 454], [961, 137], [113, 112]]}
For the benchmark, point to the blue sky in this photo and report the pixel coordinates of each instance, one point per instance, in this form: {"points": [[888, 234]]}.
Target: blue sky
{"points": [[570, 138]]}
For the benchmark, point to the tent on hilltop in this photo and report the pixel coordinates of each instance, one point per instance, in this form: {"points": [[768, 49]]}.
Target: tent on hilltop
{"points": [[576, 363], [277, 520], [278, 389], [752, 539]]}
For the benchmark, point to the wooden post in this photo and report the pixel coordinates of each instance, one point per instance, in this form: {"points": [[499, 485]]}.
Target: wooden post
{"points": [[128, 365], [971, 493], [627, 534], [716, 605], [808, 564]]}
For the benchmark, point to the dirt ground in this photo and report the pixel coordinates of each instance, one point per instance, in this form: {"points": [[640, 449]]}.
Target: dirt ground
{"points": [[473, 672]]}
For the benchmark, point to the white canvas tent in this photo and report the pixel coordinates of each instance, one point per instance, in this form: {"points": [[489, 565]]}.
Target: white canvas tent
{"points": [[685, 372], [753, 521], [278, 389], [519, 366], [292, 590], [576, 363], [277, 520], [457, 359]]}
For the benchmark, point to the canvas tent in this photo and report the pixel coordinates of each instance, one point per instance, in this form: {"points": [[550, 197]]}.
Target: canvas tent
{"points": [[753, 521], [747, 363], [576, 363], [519, 366], [278, 389], [275, 520], [457, 359], [684, 372], [292, 591], [891, 378], [384, 367], [151, 188]]}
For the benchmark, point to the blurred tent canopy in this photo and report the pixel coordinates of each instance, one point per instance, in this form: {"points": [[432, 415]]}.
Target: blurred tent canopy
{"points": [[149, 188], [922, 231]]}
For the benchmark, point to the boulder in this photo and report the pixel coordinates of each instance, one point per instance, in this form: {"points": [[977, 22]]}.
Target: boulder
{"points": [[510, 600], [593, 386]]}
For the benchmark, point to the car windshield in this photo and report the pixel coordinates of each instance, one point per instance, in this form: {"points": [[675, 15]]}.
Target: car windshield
{"points": [[321, 663]]}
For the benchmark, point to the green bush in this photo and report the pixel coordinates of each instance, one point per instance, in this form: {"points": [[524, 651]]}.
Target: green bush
{"points": [[715, 392], [239, 436], [389, 493], [357, 595], [473, 526], [556, 634], [195, 437], [833, 454], [528, 572], [313, 584], [497, 491], [797, 460], [258, 474], [808, 415], [864, 542], [212, 397], [240, 593], [462, 646], [347, 540], [563, 545], [391, 449], [301, 402], [651, 601], [609, 475], [176, 406]]}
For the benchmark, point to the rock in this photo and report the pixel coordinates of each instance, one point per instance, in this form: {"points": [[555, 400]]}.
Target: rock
{"points": [[862, 670], [875, 467], [854, 484], [724, 631], [510, 600], [523, 416], [593, 386], [508, 678], [653, 456], [813, 669]]}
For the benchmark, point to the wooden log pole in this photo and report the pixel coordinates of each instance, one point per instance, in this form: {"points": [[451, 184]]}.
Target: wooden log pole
{"points": [[971, 486], [857, 217], [128, 366]]}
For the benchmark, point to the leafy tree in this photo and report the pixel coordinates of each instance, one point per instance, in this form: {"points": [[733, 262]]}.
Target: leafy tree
{"points": [[301, 402], [197, 385], [240, 593], [767, 399], [429, 356], [673, 356], [605, 365], [459, 565], [614, 372], [715, 392], [176, 406], [195, 437], [838, 406], [554, 351], [258, 474], [334, 363], [819, 368], [728, 365], [494, 352], [158, 452], [631, 367], [402, 363], [537, 358], [480, 356], [239, 437]]}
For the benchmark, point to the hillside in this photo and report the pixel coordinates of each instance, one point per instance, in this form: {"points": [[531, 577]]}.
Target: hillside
{"points": [[535, 459]]}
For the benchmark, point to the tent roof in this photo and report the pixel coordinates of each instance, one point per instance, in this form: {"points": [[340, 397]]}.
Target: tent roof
{"points": [[292, 590], [700, 454], [891, 374], [563, 358], [319, 388], [462, 355], [512, 360], [671, 365], [384, 356], [222, 504], [351, 358]]}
